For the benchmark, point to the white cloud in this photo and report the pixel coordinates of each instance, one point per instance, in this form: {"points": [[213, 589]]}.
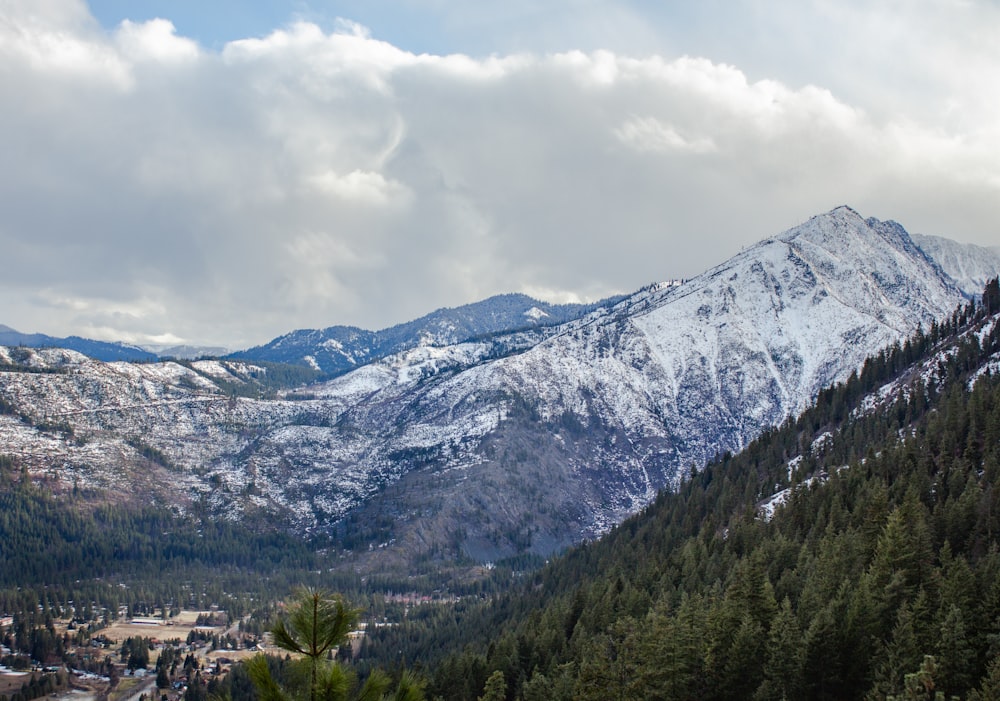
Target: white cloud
{"points": [[154, 40], [650, 134], [129, 335], [54, 39], [309, 178], [556, 296], [314, 266], [357, 186]]}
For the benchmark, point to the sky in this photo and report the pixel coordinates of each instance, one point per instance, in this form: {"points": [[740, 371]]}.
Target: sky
{"points": [[221, 173]]}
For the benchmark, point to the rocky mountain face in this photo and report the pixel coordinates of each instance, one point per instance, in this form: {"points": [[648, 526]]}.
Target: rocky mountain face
{"points": [[513, 443]]}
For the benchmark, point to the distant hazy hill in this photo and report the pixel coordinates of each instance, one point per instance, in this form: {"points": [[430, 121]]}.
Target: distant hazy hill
{"points": [[969, 265], [99, 350], [186, 352]]}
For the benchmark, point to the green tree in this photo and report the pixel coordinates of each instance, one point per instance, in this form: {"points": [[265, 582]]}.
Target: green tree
{"points": [[901, 653], [610, 668], [162, 679], [785, 658], [496, 688], [956, 656], [316, 624], [196, 690], [989, 689], [673, 651], [920, 685], [737, 632]]}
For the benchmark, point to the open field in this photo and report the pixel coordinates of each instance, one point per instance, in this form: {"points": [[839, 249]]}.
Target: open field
{"points": [[177, 627], [235, 655], [10, 682]]}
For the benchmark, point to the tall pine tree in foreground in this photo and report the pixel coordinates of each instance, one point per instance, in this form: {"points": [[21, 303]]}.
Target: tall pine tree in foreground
{"points": [[315, 626]]}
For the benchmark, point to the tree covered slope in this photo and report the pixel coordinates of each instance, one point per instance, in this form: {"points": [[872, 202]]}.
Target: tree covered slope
{"points": [[850, 553]]}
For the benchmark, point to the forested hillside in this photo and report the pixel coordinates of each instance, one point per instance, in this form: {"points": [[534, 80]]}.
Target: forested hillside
{"points": [[55, 553], [851, 553]]}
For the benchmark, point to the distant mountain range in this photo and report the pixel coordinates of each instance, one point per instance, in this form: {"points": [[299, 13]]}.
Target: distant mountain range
{"points": [[99, 350], [186, 351], [483, 432], [338, 349]]}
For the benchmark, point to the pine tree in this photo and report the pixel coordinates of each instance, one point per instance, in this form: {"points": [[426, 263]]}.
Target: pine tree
{"points": [[316, 624], [956, 656], [785, 658], [822, 667], [609, 670], [162, 679], [902, 653], [989, 688], [921, 685], [672, 651], [496, 688]]}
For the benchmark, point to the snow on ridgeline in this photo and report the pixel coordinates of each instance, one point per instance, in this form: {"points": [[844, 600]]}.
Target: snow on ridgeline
{"points": [[559, 431]]}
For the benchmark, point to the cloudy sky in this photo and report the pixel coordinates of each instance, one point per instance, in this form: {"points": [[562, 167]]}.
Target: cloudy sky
{"points": [[176, 174]]}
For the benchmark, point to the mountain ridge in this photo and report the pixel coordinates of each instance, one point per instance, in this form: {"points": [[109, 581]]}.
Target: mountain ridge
{"points": [[520, 442], [339, 349]]}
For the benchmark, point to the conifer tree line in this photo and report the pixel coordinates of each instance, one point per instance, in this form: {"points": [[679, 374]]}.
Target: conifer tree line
{"points": [[70, 560], [37, 686], [877, 578]]}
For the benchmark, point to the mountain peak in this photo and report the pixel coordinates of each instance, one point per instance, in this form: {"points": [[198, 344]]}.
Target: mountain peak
{"points": [[837, 221], [969, 265], [844, 234], [844, 211]]}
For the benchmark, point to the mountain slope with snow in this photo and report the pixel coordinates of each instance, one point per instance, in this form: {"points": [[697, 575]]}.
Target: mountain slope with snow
{"points": [[591, 422], [969, 265], [518, 442]]}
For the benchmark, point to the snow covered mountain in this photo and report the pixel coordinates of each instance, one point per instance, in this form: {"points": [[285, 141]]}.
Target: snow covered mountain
{"points": [[518, 442], [338, 349], [969, 265]]}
